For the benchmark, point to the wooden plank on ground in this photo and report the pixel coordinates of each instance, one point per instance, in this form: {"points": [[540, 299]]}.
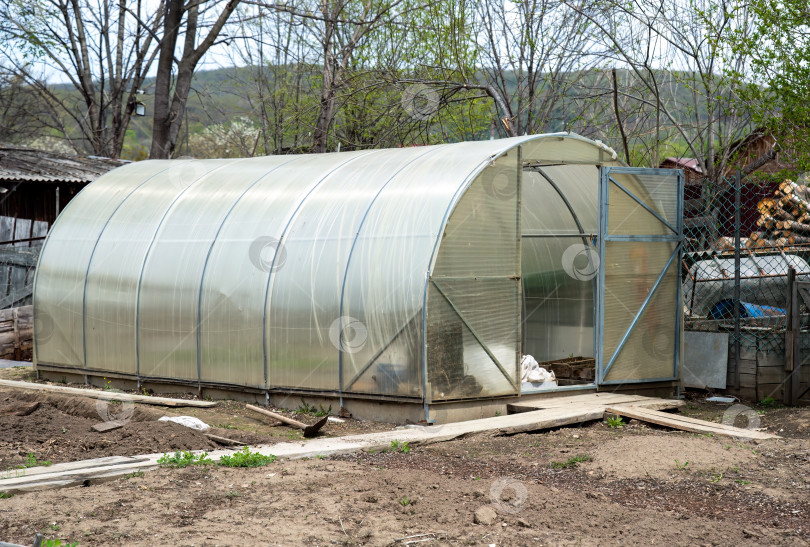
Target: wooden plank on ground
{"points": [[587, 399], [94, 463], [685, 423], [108, 395], [662, 404], [224, 440], [78, 477], [6, 363], [595, 399], [103, 427], [556, 418]]}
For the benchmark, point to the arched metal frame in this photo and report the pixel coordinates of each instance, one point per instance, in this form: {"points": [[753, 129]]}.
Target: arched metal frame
{"points": [[74, 244]]}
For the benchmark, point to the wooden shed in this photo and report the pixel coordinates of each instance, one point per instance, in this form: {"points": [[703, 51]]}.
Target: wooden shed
{"points": [[35, 185]]}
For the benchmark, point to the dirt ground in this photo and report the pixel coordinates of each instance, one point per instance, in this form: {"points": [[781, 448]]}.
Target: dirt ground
{"points": [[59, 431], [634, 484]]}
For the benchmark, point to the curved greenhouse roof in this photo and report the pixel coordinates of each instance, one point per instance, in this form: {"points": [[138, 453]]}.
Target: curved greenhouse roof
{"points": [[343, 273]]}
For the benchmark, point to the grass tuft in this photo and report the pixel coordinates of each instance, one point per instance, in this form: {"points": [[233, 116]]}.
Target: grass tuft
{"points": [[246, 458]]}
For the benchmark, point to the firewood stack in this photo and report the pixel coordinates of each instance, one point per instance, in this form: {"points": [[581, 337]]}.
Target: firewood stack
{"points": [[784, 218]]}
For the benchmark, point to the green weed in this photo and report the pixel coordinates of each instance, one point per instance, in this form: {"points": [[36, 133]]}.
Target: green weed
{"points": [[570, 463], [5, 495], [246, 458], [306, 408], [614, 421], [681, 466], [31, 461], [400, 446], [404, 501], [58, 543], [184, 459], [769, 402]]}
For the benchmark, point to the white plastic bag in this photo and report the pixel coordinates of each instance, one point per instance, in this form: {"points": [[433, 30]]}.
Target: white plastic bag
{"points": [[188, 421], [531, 371]]}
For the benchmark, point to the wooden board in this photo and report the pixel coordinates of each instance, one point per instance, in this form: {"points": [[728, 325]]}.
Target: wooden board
{"points": [[685, 423], [594, 399], [108, 395], [107, 426]]}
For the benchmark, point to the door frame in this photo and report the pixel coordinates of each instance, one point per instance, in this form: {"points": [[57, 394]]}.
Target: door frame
{"points": [[676, 236]]}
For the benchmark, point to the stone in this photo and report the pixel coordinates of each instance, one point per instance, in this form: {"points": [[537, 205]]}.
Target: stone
{"points": [[485, 515]]}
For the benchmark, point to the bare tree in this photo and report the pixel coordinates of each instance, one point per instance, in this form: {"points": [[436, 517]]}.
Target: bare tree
{"points": [[674, 51], [104, 51], [338, 29], [533, 53], [172, 89], [17, 105]]}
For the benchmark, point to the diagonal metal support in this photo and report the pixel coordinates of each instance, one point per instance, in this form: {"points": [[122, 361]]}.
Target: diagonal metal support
{"points": [[379, 352], [475, 335], [646, 207], [641, 310]]}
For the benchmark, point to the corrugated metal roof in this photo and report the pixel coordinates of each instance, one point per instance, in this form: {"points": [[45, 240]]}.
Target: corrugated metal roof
{"points": [[685, 163], [31, 165]]}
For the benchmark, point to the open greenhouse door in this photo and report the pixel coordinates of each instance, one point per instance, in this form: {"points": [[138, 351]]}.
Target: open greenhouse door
{"points": [[638, 305]]}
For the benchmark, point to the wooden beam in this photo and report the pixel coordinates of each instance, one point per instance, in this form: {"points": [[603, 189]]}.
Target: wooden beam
{"points": [[676, 421], [309, 430], [223, 440], [107, 395], [19, 256]]}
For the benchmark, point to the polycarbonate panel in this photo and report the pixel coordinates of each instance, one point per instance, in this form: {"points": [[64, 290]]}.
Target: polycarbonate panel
{"points": [[559, 280], [304, 308], [390, 261], [232, 304], [565, 148], [481, 237], [62, 267], [631, 269], [396, 369], [207, 269], [477, 274], [461, 347], [169, 310], [116, 263], [658, 192], [545, 212]]}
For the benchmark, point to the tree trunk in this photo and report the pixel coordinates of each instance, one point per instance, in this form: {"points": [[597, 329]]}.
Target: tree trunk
{"points": [[161, 125]]}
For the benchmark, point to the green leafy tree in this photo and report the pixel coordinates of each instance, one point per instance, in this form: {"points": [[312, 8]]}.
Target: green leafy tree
{"points": [[776, 83]]}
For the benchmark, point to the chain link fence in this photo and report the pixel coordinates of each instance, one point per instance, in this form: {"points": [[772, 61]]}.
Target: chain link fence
{"points": [[742, 237]]}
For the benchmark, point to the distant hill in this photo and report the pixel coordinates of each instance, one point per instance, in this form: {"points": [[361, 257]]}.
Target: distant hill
{"points": [[223, 95]]}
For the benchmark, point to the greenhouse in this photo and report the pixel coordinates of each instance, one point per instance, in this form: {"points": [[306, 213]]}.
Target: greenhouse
{"points": [[405, 283]]}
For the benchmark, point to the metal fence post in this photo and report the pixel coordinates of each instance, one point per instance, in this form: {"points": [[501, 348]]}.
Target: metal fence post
{"points": [[791, 339], [737, 222]]}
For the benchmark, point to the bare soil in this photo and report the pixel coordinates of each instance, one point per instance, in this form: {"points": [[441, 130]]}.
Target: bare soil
{"points": [[60, 429], [634, 484]]}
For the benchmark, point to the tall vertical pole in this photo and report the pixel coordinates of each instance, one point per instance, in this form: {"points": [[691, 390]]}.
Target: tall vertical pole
{"points": [[737, 222]]}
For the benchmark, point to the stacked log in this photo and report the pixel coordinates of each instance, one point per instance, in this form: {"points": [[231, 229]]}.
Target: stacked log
{"points": [[17, 333], [784, 218]]}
